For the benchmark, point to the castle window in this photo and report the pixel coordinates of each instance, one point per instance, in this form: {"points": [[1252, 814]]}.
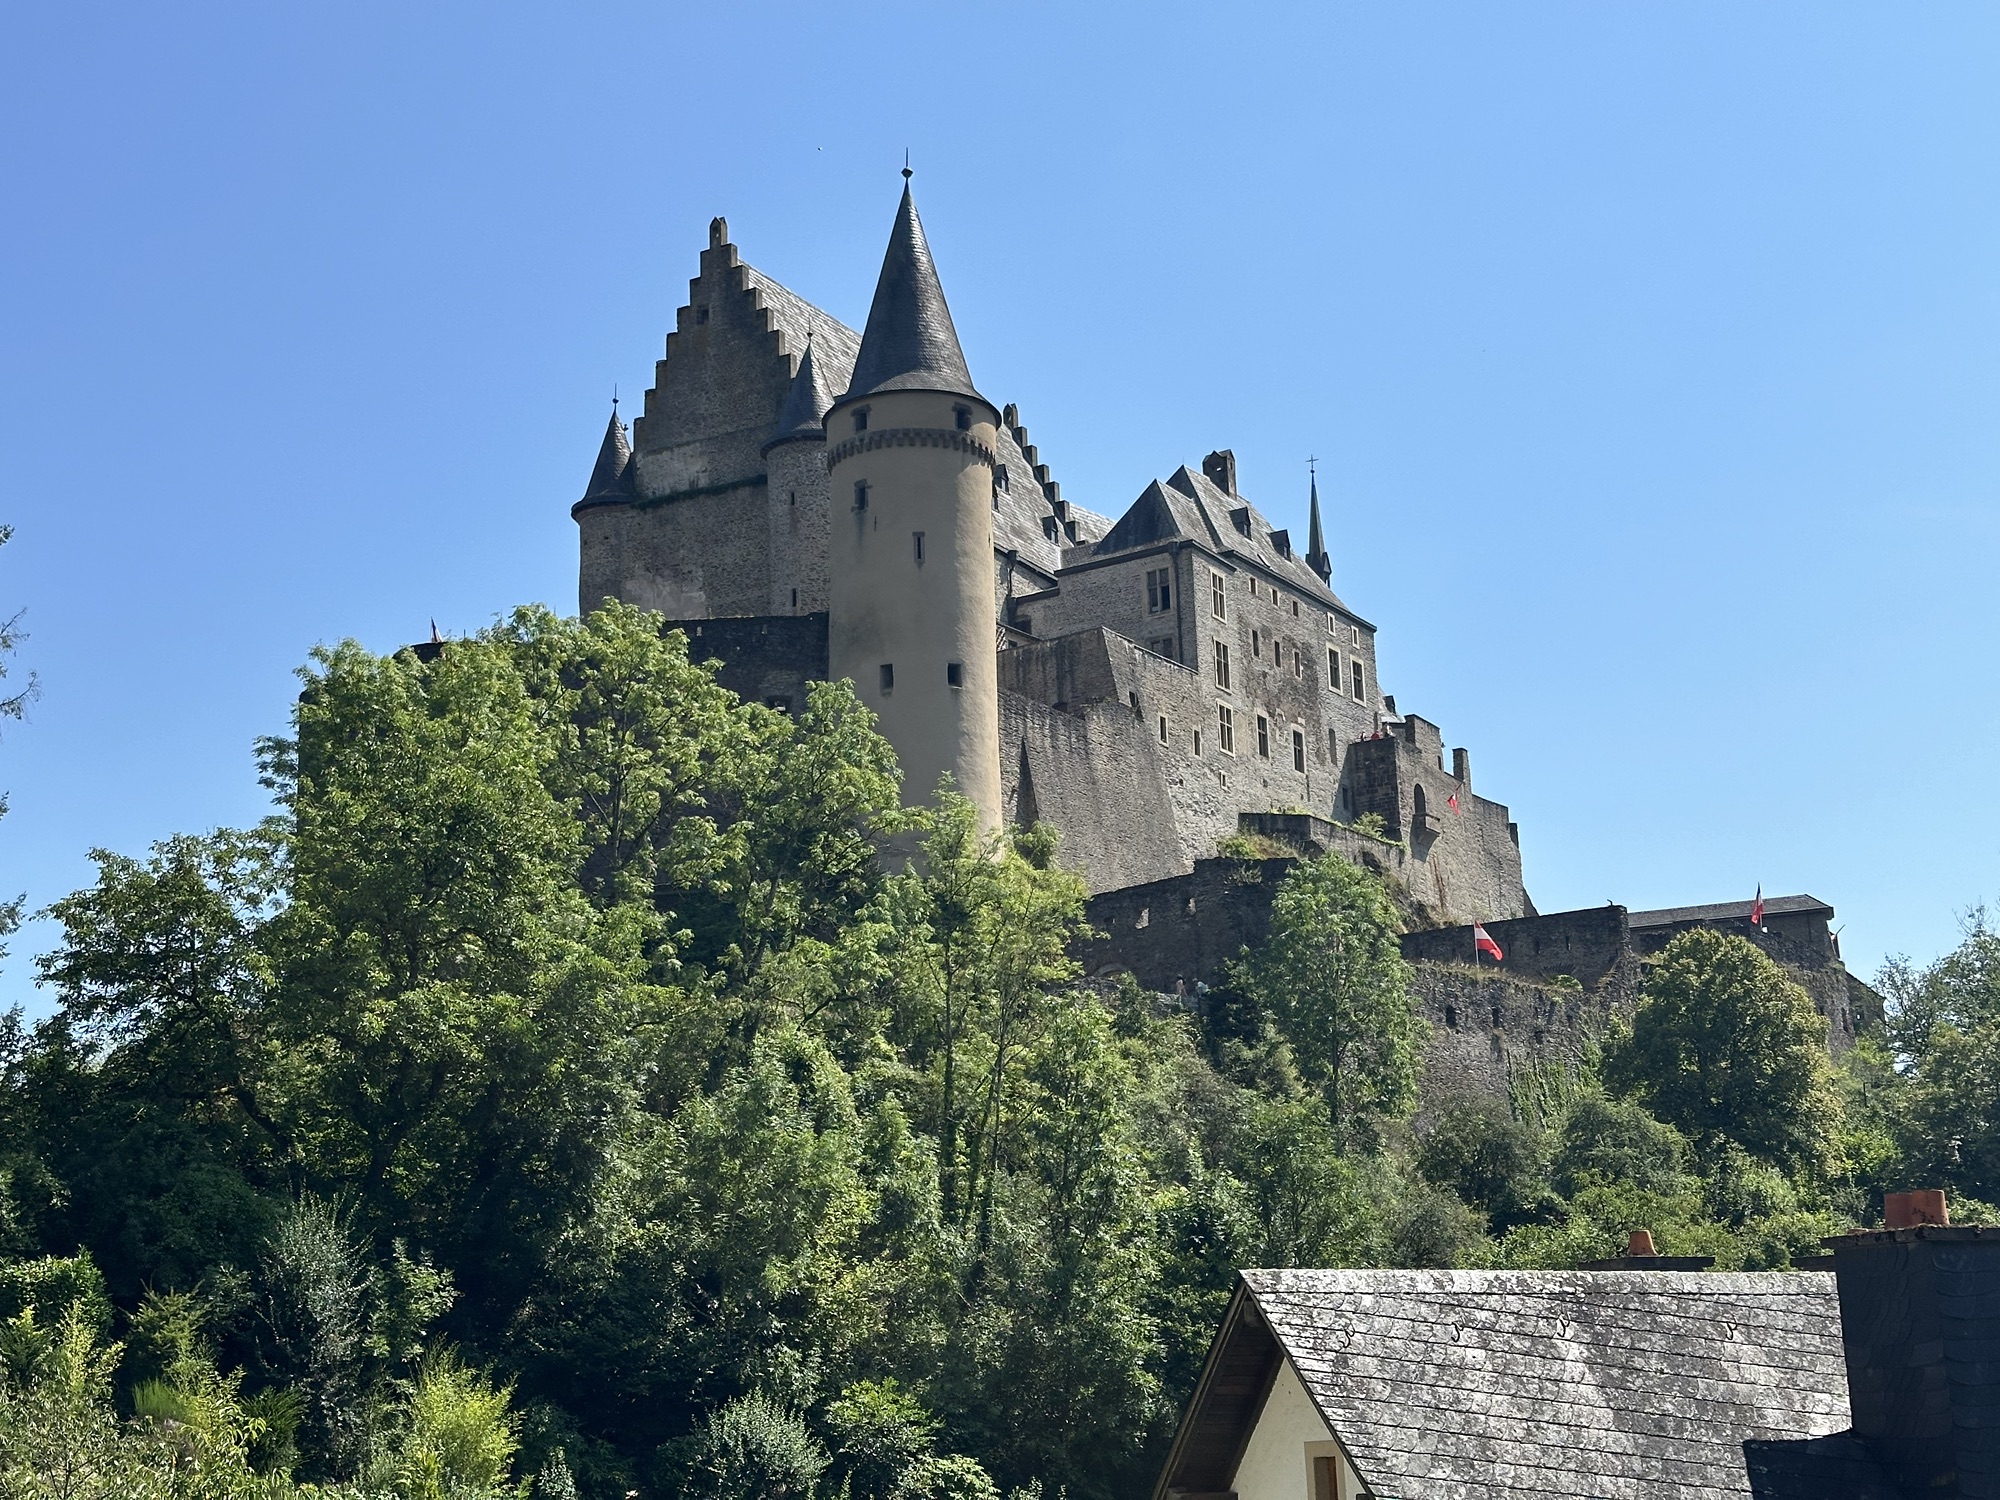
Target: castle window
{"points": [[1298, 749], [1451, 1017], [1133, 699], [1222, 666], [1295, 609], [1256, 645], [888, 671], [1000, 476], [1049, 527], [1357, 633], [700, 316], [1159, 590], [954, 674], [795, 598], [963, 416], [917, 542], [1164, 646], [1333, 746], [1333, 669], [1263, 737], [1163, 729], [861, 420], [1225, 728], [861, 494], [1220, 603], [1253, 585], [791, 497], [1197, 742], [1298, 661], [1360, 683]]}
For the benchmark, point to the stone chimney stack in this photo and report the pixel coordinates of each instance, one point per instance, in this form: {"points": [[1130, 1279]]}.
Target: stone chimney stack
{"points": [[1920, 1319], [1220, 467]]}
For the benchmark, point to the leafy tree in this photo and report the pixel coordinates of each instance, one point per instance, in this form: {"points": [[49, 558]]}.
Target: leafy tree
{"points": [[756, 1445], [1726, 1048], [1601, 1139], [879, 1428], [1333, 975], [1479, 1151], [1944, 1029], [13, 705]]}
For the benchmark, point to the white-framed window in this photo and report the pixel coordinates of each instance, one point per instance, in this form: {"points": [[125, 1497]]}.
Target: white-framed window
{"points": [[1219, 603], [1225, 729], [1222, 666], [1159, 591], [1263, 737], [1333, 669]]}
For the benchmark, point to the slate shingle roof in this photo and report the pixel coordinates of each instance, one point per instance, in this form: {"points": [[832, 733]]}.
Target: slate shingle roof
{"points": [[909, 343], [1571, 1383]]}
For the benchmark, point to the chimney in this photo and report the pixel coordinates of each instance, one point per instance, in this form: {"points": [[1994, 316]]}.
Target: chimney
{"points": [[1920, 1322], [1220, 467], [1461, 767], [1641, 1254]]}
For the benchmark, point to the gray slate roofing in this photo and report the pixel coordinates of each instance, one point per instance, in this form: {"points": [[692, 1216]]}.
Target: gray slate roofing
{"points": [[1722, 911], [909, 343], [806, 402], [1191, 506], [1574, 1383], [612, 477], [834, 343]]}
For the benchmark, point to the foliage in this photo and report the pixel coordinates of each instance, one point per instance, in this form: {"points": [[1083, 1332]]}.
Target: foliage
{"points": [[1728, 1050], [591, 1084], [1333, 975]]}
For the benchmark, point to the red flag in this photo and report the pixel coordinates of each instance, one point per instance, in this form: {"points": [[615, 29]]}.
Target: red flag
{"points": [[1452, 802], [1757, 907], [1483, 943]]}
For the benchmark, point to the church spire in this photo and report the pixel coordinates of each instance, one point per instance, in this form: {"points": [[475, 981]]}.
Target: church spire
{"points": [[614, 477], [806, 402], [909, 343], [1316, 557]]}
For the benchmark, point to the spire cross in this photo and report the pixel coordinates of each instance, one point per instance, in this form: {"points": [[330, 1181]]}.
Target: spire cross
{"points": [[907, 173], [1312, 467]]}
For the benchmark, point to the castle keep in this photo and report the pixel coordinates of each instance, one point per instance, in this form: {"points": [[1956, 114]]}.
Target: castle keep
{"points": [[809, 503]]}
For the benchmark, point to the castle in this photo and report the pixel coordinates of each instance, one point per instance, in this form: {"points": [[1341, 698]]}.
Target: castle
{"points": [[809, 503], [812, 504]]}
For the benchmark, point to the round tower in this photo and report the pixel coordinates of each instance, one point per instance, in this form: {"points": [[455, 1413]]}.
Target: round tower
{"points": [[909, 458]]}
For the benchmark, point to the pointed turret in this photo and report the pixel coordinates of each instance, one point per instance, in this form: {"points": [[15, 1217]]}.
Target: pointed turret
{"points": [[1316, 557], [614, 478], [806, 403], [909, 343]]}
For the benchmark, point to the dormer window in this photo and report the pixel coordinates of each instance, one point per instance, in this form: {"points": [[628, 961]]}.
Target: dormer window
{"points": [[963, 416], [861, 420]]}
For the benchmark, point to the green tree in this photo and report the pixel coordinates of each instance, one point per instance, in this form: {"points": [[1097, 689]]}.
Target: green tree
{"points": [[1725, 1048], [13, 705], [1332, 974], [1479, 1151]]}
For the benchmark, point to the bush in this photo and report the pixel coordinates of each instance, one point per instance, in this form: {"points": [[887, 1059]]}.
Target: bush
{"points": [[755, 1445], [952, 1477], [1490, 1160], [1614, 1140]]}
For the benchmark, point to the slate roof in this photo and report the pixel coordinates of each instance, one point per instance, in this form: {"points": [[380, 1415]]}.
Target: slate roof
{"points": [[1722, 911], [834, 343], [909, 343], [1568, 1384], [611, 477], [1189, 505], [806, 403]]}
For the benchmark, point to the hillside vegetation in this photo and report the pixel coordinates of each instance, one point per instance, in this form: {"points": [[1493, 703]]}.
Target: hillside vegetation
{"points": [[558, 1096]]}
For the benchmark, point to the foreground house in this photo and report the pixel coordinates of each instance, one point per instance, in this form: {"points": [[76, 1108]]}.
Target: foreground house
{"points": [[1879, 1381]]}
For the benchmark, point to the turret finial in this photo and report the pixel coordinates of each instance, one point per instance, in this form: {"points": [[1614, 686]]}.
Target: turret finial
{"points": [[907, 173]]}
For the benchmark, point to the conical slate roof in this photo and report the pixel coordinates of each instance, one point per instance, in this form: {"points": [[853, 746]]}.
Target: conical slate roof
{"points": [[909, 343], [806, 402], [613, 478], [1316, 557]]}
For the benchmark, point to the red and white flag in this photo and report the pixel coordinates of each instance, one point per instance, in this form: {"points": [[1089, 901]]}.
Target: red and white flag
{"points": [[1757, 907], [1482, 942], [1452, 802]]}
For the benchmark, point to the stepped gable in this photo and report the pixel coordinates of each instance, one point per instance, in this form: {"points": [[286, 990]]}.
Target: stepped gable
{"points": [[798, 322], [1032, 520], [612, 478], [909, 343], [806, 404]]}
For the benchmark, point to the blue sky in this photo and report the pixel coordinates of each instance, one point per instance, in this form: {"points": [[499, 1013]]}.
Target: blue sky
{"points": [[1651, 353]]}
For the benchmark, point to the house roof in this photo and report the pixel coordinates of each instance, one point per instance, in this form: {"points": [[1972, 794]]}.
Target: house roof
{"points": [[1722, 911], [1543, 1383]]}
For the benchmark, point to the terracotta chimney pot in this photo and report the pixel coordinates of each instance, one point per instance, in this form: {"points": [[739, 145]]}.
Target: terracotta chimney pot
{"points": [[1908, 1210], [1641, 1243]]}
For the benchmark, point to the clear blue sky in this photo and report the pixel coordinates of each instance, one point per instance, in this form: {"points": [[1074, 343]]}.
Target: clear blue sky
{"points": [[1651, 353]]}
